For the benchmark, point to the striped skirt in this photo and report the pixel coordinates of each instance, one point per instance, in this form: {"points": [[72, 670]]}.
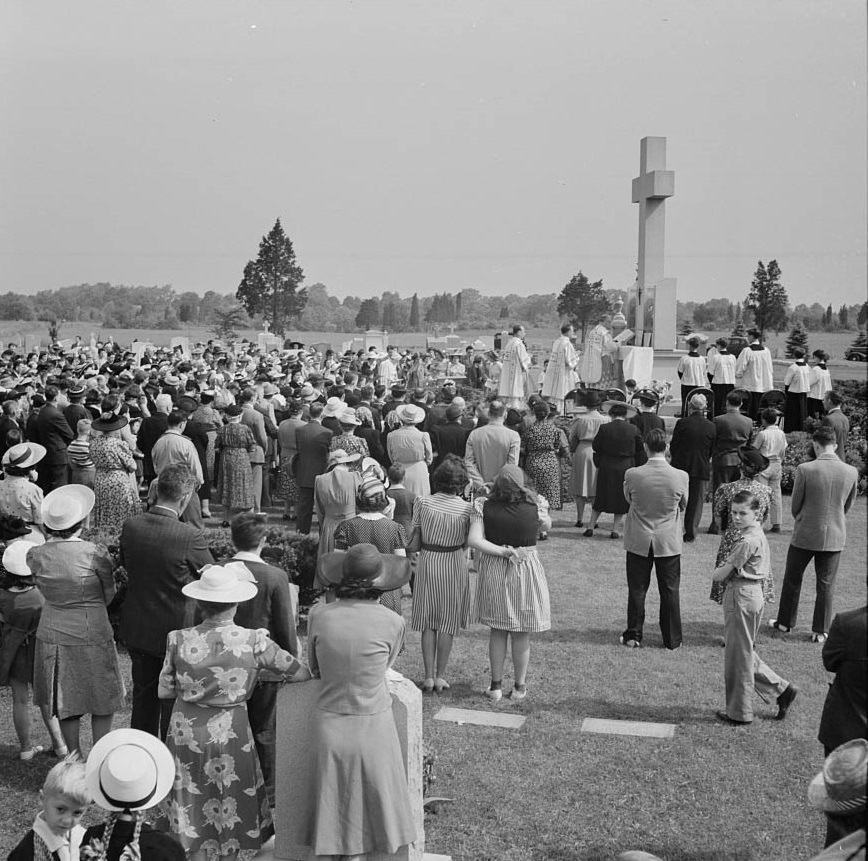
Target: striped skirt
{"points": [[441, 591], [512, 596]]}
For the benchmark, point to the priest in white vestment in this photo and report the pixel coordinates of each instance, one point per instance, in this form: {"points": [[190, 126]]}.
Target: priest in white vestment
{"points": [[598, 342], [560, 376], [513, 376]]}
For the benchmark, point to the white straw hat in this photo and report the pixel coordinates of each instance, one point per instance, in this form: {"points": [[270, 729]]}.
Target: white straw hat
{"points": [[15, 558], [128, 769], [220, 584], [24, 455], [66, 506], [410, 414]]}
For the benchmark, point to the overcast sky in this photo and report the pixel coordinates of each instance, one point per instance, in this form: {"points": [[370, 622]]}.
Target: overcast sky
{"points": [[431, 146]]}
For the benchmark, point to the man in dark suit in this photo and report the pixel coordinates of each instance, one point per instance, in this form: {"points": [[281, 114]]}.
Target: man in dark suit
{"points": [[836, 420], [653, 532], [312, 452], [55, 434], [732, 431], [152, 428], [823, 491], [451, 437], [691, 446], [11, 413], [274, 609], [845, 653], [161, 555], [256, 422]]}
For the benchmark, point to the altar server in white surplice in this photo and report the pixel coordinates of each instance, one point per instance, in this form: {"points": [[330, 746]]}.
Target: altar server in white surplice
{"points": [[513, 377], [560, 376]]}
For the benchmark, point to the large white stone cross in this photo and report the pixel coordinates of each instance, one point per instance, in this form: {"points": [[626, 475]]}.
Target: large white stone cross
{"points": [[650, 190]]}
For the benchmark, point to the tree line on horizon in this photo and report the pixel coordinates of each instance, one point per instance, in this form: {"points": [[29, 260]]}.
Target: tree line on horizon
{"points": [[271, 291]]}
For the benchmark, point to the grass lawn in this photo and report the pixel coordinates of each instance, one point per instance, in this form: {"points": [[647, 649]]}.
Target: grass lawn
{"points": [[549, 791]]}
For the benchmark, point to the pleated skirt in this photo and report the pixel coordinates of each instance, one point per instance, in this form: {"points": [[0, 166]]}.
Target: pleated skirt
{"points": [[512, 596]]}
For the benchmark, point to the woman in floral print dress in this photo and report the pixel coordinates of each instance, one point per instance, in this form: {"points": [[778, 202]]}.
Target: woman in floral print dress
{"points": [[218, 807]]}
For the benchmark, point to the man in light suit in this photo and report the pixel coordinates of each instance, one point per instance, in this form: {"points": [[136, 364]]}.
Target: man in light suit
{"points": [[256, 422], [312, 452], [823, 491], [653, 532], [491, 447]]}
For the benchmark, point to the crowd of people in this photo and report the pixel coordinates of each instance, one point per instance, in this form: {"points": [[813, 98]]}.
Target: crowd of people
{"points": [[409, 483]]}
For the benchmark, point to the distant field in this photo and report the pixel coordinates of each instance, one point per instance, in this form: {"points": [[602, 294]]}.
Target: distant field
{"points": [[15, 331]]}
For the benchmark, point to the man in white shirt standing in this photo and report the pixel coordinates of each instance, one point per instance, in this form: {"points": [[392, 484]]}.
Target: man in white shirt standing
{"points": [[692, 372], [560, 376], [754, 371], [721, 374]]}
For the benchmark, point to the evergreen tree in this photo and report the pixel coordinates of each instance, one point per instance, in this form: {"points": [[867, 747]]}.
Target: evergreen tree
{"points": [[458, 307], [504, 312], [581, 301], [369, 314], [768, 298], [390, 317], [271, 283], [798, 337], [686, 326], [862, 319], [225, 322], [827, 317], [730, 313], [844, 317], [739, 331], [414, 313]]}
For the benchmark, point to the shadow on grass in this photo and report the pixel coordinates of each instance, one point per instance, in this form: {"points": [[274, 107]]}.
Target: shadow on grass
{"points": [[693, 633], [612, 710]]}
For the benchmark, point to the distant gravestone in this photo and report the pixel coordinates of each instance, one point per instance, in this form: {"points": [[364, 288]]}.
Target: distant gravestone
{"points": [[183, 342], [628, 727], [481, 718]]}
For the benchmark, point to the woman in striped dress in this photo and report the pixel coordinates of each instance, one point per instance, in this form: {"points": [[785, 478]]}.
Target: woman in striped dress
{"points": [[441, 595], [512, 595]]}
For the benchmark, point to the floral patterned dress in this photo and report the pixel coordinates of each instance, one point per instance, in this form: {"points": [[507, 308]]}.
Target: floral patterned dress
{"points": [[543, 441], [114, 483], [218, 807], [722, 501]]}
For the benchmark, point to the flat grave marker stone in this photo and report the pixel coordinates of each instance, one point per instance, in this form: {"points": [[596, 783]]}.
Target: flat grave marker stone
{"points": [[480, 718], [628, 727]]}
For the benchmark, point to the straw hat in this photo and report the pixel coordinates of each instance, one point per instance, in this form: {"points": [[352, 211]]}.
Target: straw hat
{"points": [[333, 407], [308, 392], [840, 787], [381, 571], [348, 417], [129, 770], [410, 414], [66, 506], [340, 456], [221, 584], [15, 558], [24, 455]]}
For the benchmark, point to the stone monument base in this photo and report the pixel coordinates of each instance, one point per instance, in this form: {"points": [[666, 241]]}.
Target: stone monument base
{"points": [[296, 713]]}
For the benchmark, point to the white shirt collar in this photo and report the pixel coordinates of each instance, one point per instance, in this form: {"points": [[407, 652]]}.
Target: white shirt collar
{"points": [[248, 556], [56, 843]]}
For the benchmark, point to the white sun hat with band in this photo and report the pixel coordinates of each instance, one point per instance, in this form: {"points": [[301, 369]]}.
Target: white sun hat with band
{"points": [[24, 455], [129, 770], [221, 584], [65, 506]]}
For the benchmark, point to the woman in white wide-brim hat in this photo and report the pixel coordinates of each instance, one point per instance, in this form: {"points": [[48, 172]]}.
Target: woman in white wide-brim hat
{"points": [[76, 667], [20, 496], [128, 772], [411, 448], [210, 671]]}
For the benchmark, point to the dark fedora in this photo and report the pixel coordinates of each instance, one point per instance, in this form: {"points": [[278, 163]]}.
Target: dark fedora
{"points": [[364, 564]]}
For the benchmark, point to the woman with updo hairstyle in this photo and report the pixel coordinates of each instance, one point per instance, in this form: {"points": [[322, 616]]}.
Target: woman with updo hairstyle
{"points": [[441, 591], [512, 595], [372, 526], [544, 445], [117, 497]]}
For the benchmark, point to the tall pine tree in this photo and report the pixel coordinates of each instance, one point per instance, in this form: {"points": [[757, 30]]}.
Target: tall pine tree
{"points": [[798, 337], [414, 313], [768, 298], [581, 301], [271, 283]]}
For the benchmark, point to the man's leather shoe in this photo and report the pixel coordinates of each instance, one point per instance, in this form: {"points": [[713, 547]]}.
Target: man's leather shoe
{"points": [[785, 700], [722, 715]]}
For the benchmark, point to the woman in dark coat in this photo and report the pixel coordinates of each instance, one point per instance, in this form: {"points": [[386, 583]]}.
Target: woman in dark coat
{"points": [[615, 448]]}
